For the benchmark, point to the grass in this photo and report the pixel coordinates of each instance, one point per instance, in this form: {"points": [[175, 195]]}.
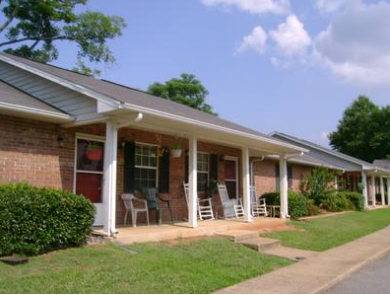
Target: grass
{"points": [[188, 267], [329, 232]]}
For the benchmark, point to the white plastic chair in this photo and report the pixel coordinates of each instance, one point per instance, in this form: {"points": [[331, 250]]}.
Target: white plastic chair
{"points": [[230, 207], [204, 207], [134, 206], [258, 206]]}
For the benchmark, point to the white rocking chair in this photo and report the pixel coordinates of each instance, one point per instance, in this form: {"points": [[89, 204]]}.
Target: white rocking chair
{"points": [[258, 206], [204, 207], [230, 207]]}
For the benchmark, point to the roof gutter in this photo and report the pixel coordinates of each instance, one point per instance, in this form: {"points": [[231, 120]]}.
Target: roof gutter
{"points": [[209, 126]]}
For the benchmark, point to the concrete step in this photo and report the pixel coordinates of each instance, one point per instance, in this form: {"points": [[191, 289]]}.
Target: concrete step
{"points": [[261, 244], [238, 236]]}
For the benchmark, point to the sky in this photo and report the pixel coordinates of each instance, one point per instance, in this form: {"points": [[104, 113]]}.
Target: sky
{"points": [[291, 66]]}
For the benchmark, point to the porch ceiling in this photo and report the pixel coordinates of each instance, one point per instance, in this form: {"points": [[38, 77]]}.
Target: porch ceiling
{"points": [[258, 144]]}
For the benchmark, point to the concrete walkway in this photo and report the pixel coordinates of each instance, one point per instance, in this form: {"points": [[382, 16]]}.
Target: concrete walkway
{"points": [[318, 272]]}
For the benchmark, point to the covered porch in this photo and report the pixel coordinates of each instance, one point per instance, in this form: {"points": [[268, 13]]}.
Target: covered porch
{"points": [[248, 145]]}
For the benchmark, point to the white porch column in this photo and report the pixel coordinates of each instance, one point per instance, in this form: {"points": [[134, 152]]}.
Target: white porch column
{"points": [[365, 189], [388, 191], [109, 178], [283, 187], [382, 191], [373, 190], [192, 181], [246, 184]]}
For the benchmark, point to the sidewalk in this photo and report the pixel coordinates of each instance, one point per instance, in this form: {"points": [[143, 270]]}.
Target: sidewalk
{"points": [[319, 272]]}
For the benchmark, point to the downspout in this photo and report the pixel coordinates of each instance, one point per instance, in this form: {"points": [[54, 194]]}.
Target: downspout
{"points": [[261, 159]]}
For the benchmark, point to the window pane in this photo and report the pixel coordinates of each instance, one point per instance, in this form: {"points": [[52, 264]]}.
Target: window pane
{"points": [[90, 155], [202, 181]]}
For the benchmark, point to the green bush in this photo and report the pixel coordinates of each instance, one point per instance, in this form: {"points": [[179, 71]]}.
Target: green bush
{"points": [[36, 220], [296, 203], [318, 185], [272, 198], [355, 198], [337, 202], [312, 209]]}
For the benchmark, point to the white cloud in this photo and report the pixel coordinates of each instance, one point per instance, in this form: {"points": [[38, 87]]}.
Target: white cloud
{"points": [[254, 41], [291, 38], [253, 6], [332, 5], [356, 44], [324, 135]]}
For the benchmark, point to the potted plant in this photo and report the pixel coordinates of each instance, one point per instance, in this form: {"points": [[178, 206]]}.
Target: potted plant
{"points": [[176, 149], [94, 151]]}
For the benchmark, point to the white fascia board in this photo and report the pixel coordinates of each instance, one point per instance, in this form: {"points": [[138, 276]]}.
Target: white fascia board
{"points": [[73, 86], [210, 126], [376, 170], [34, 111]]}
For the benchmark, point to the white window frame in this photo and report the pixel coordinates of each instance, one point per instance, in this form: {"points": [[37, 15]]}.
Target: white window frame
{"points": [[148, 167], [203, 171]]}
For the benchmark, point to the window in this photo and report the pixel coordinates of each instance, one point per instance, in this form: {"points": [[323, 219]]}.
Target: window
{"points": [[203, 171], [145, 166]]}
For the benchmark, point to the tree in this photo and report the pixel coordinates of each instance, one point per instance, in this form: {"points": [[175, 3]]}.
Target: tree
{"points": [[32, 27], [187, 90], [364, 131]]}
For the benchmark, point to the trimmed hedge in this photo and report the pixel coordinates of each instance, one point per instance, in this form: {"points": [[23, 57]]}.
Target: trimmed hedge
{"points": [[36, 220]]}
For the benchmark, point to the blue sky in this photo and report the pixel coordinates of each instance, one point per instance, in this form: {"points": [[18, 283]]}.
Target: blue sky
{"points": [[272, 65]]}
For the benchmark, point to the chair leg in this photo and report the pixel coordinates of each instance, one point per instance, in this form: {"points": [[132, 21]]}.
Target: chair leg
{"points": [[147, 216], [134, 218], [170, 212], [124, 221]]}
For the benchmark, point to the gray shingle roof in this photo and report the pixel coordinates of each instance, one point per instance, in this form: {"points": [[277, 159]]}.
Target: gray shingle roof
{"points": [[136, 97]]}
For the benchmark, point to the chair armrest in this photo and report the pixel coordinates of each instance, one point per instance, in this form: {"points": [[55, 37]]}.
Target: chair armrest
{"points": [[164, 200], [139, 202], [208, 200]]}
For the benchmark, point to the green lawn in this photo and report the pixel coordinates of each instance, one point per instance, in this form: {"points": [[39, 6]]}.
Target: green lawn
{"points": [[329, 232], [188, 267]]}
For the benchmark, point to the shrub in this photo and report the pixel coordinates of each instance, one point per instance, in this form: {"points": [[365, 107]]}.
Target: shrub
{"points": [[355, 198], [318, 185], [36, 220], [337, 202], [272, 198], [312, 209], [296, 203]]}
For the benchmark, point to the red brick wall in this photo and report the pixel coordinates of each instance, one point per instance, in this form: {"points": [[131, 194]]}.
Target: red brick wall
{"points": [[264, 176], [298, 173], [29, 152]]}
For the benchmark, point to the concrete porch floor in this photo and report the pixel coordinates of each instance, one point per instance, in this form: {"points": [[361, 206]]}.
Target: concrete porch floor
{"points": [[181, 230]]}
